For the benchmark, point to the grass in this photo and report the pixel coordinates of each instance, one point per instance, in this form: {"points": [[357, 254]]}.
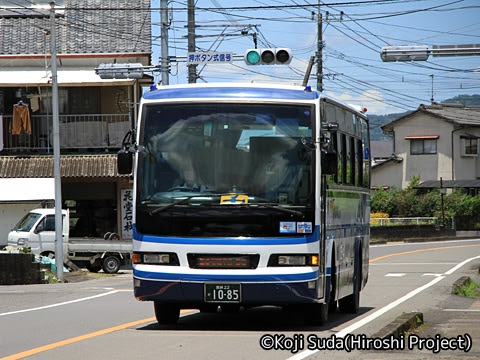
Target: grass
{"points": [[469, 290]]}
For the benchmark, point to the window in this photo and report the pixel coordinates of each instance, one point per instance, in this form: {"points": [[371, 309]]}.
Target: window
{"points": [[469, 145], [422, 144]]}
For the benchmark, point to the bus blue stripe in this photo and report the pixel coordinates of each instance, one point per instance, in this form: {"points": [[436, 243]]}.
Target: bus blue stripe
{"points": [[227, 240], [277, 278]]}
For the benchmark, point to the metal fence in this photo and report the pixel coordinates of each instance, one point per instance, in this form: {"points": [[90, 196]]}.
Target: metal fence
{"points": [[449, 222], [84, 131]]}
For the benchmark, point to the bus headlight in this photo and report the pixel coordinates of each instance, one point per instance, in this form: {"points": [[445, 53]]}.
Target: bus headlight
{"points": [[293, 260], [155, 258]]}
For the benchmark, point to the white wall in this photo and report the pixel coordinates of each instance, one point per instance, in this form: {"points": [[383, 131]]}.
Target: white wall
{"points": [[10, 214]]}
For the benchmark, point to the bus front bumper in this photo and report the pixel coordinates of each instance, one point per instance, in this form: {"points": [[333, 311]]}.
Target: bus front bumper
{"points": [[193, 293]]}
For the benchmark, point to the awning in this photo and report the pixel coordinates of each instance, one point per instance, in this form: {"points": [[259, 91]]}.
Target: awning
{"points": [[12, 78], [27, 189], [422, 137], [71, 166], [449, 184]]}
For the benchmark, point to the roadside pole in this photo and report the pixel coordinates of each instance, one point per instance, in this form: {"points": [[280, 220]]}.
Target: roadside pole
{"points": [[56, 150]]}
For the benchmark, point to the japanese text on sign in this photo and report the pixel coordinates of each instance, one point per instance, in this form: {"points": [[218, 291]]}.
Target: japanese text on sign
{"points": [[127, 213], [209, 57]]}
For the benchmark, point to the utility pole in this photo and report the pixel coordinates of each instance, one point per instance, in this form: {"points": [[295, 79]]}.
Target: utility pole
{"points": [[192, 68], [319, 51], [431, 99], [56, 149], [164, 63]]}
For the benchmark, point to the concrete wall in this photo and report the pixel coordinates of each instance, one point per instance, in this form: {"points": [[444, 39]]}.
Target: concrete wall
{"points": [[20, 269], [396, 233]]}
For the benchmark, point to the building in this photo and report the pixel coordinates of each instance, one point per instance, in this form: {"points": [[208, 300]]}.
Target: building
{"points": [[95, 114], [436, 142]]}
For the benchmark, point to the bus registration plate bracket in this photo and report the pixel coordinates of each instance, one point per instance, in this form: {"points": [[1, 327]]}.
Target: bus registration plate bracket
{"points": [[216, 292]]}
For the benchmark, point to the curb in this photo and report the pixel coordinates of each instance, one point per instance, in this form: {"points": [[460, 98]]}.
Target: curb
{"points": [[400, 325], [457, 285]]}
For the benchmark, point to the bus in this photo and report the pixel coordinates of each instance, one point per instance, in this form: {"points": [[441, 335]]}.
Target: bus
{"points": [[248, 195]]}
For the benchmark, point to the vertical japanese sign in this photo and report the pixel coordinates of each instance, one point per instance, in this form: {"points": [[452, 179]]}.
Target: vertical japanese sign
{"points": [[127, 213]]}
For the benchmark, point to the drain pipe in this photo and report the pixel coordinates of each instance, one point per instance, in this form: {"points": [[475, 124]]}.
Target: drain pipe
{"points": [[453, 152]]}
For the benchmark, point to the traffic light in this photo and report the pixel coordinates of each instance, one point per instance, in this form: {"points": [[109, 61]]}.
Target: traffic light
{"points": [[281, 56]]}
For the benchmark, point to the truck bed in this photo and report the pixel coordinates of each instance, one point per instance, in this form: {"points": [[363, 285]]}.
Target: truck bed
{"points": [[98, 245]]}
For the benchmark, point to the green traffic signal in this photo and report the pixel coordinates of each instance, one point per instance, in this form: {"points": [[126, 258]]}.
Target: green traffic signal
{"points": [[252, 57], [281, 56]]}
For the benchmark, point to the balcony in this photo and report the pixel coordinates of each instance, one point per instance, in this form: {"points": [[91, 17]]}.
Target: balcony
{"points": [[78, 133]]}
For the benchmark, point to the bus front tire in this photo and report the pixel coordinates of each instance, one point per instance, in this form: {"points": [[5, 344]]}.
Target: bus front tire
{"points": [[166, 313], [316, 314], [351, 303]]}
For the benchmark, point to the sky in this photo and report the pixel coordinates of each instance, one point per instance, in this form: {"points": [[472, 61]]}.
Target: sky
{"points": [[353, 34]]}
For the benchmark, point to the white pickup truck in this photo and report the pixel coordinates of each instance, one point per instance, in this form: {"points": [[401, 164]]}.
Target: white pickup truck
{"points": [[37, 230]]}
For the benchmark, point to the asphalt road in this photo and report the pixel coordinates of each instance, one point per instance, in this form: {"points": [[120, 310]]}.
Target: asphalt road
{"points": [[100, 318]]}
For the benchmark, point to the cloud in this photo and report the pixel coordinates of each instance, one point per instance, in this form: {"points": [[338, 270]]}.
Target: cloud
{"points": [[370, 99]]}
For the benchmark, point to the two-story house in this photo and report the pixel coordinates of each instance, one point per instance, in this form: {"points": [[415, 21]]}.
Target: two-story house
{"points": [[439, 141], [95, 113]]}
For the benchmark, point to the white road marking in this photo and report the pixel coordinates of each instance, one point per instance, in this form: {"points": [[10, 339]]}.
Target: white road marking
{"points": [[62, 303], [395, 275], [379, 312]]}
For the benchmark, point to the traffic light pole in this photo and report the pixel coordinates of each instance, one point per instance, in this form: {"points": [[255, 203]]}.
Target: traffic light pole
{"points": [[192, 68], [319, 51], [164, 34]]}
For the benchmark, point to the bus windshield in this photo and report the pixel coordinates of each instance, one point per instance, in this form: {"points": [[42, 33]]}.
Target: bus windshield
{"points": [[203, 152]]}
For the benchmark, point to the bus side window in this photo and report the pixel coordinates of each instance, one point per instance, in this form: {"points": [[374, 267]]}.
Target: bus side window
{"points": [[342, 171], [359, 155], [351, 160]]}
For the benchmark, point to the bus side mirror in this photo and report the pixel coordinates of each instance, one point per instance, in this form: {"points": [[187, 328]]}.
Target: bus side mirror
{"points": [[329, 162], [124, 161]]}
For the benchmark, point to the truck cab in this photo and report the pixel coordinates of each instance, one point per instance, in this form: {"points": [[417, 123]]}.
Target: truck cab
{"points": [[37, 230]]}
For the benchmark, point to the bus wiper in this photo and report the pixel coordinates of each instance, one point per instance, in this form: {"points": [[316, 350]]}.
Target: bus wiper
{"points": [[166, 207], [281, 208], [179, 202]]}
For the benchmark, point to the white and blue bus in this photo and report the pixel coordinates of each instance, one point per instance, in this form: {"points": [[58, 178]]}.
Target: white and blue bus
{"points": [[249, 195]]}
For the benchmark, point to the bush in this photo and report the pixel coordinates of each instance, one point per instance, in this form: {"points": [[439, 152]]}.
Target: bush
{"points": [[414, 202]]}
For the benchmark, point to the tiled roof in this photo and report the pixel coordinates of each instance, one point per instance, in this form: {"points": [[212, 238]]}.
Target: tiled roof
{"points": [[457, 114], [88, 26], [71, 166]]}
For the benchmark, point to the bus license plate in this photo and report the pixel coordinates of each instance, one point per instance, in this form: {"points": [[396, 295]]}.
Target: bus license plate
{"points": [[223, 293]]}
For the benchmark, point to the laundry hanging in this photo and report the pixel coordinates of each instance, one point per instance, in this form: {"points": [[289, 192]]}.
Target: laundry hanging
{"points": [[21, 119]]}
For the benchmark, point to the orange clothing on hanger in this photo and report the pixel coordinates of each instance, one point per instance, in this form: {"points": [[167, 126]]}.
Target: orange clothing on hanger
{"points": [[21, 119]]}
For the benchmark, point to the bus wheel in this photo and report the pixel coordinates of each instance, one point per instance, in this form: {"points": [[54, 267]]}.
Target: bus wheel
{"points": [[208, 308], [166, 313], [351, 303], [230, 308], [111, 264], [316, 314]]}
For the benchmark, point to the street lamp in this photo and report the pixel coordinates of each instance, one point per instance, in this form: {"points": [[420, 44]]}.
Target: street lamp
{"points": [[404, 53]]}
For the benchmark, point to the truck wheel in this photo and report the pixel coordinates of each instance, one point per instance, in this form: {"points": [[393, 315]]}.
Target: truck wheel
{"points": [[111, 264], [94, 268], [166, 313]]}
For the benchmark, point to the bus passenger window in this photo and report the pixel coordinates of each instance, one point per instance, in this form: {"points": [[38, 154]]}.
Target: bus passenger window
{"points": [[351, 160], [343, 160], [359, 155]]}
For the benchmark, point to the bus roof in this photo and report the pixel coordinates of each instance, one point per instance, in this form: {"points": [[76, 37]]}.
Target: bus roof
{"points": [[232, 91]]}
